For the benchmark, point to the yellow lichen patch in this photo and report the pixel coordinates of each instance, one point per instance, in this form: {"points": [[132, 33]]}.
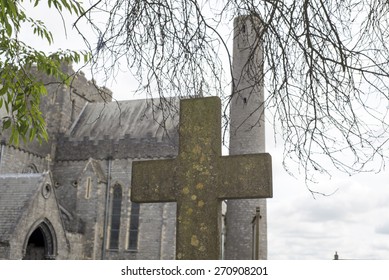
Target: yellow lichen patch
{"points": [[202, 248], [196, 149], [198, 167], [185, 190], [206, 172], [189, 211], [200, 203], [193, 197], [200, 186], [194, 241], [203, 227]]}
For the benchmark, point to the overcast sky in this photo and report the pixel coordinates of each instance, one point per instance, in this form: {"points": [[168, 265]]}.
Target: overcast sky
{"points": [[354, 221]]}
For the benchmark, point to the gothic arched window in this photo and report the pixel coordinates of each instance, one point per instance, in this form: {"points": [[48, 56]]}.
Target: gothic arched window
{"points": [[134, 227], [115, 217]]}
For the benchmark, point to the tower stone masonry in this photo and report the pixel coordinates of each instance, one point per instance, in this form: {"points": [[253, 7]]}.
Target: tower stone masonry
{"points": [[247, 136]]}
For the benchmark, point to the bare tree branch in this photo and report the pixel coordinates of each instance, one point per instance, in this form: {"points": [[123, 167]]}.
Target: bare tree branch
{"points": [[326, 67]]}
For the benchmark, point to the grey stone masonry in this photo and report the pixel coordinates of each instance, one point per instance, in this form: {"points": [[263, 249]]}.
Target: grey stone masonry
{"points": [[247, 135], [28, 202]]}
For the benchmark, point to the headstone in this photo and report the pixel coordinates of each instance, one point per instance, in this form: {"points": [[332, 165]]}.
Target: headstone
{"points": [[200, 178]]}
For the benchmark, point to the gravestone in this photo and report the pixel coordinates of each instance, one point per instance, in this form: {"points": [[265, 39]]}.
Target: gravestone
{"points": [[200, 178]]}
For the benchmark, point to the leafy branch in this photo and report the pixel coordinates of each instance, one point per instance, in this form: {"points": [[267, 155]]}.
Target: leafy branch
{"points": [[20, 90]]}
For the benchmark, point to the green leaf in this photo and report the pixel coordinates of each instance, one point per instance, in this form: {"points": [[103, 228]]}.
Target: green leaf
{"points": [[32, 134], [42, 90], [13, 8], [66, 5], [8, 28], [6, 123], [3, 89], [14, 139]]}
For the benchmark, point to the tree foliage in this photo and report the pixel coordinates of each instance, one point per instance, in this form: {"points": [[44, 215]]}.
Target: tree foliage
{"points": [[325, 66], [20, 90]]}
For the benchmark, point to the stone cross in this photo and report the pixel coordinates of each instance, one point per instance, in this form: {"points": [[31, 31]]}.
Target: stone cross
{"points": [[200, 178]]}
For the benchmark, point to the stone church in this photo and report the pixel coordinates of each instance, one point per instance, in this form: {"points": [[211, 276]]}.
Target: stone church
{"points": [[69, 198]]}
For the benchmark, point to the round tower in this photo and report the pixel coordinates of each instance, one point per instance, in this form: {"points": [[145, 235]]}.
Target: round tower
{"points": [[246, 226]]}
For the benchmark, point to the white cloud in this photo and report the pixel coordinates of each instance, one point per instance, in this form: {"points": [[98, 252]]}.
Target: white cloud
{"points": [[353, 221], [383, 228]]}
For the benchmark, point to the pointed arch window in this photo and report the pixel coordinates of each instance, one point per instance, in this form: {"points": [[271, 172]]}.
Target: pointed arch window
{"points": [[134, 227], [115, 217]]}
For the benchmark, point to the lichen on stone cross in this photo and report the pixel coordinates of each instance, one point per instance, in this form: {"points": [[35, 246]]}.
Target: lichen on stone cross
{"points": [[200, 178]]}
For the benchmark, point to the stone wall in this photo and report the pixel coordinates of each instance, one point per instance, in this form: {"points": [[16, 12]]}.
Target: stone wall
{"points": [[40, 208], [65, 103], [156, 239], [17, 160], [61, 107], [114, 148], [247, 135]]}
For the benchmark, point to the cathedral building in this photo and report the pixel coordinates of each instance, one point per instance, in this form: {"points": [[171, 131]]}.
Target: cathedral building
{"points": [[69, 198]]}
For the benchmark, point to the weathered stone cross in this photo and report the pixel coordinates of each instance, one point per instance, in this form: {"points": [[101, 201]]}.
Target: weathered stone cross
{"points": [[199, 178]]}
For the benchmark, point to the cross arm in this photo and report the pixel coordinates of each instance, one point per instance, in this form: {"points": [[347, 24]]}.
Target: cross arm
{"points": [[246, 176], [153, 181]]}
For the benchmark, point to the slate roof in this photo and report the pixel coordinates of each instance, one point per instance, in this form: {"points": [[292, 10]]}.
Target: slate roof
{"points": [[16, 193], [123, 129]]}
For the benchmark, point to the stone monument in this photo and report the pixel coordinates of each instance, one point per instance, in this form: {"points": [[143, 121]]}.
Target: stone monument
{"points": [[200, 178]]}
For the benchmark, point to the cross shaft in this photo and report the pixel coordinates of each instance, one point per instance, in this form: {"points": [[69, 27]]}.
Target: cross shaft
{"points": [[199, 178]]}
